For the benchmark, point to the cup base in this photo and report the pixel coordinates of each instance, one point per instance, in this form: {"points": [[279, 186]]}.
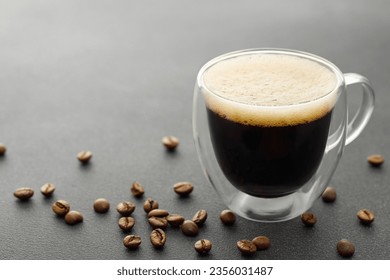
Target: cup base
{"points": [[269, 209]]}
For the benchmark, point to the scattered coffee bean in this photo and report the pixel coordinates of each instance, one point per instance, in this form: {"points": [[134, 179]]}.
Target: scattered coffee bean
{"points": [[175, 220], [150, 204], [48, 189], [137, 189], [345, 248], [309, 219], [60, 207], [126, 223], [84, 156], [261, 242], [246, 247], [73, 217], [158, 222], [376, 160], [101, 205], [125, 208], [366, 216], [183, 188], [158, 213], [329, 194], [170, 142], [3, 149], [24, 193], [200, 217], [132, 241], [158, 238], [189, 228], [227, 217], [203, 246]]}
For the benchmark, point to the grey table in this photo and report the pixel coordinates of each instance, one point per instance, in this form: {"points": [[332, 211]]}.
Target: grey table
{"points": [[114, 77]]}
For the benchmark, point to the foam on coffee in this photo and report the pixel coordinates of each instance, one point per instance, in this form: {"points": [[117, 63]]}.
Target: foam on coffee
{"points": [[270, 89]]}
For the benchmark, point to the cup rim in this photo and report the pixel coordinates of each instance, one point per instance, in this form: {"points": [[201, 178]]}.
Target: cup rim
{"points": [[340, 81]]}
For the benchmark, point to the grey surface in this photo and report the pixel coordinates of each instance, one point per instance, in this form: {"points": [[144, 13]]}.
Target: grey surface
{"points": [[115, 77]]}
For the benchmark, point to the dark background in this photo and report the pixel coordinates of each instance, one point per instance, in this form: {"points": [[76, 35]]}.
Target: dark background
{"points": [[115, 77]]}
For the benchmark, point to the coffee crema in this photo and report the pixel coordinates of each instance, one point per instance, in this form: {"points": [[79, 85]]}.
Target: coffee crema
{"points": [[269, 118], [270, 89]]}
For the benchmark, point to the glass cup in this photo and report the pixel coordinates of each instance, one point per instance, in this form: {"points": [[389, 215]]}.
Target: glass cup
{"points": [[270, 126]]}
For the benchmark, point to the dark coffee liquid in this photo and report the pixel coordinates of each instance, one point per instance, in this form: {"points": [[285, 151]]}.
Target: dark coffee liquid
{"points": [[268, 161]]}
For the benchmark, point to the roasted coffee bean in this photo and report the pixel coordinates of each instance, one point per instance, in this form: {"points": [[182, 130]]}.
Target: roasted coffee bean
{"points": [[261, 242], [158, 222], [101, 205], [24, 193], [227, 217], [189, 228], [246, 247], [84, 156], [345, 248], [60, 207], [200, 217], [175, 220], [170, 142], [376, 160], [366, 216], [126, 223], [183, 188], [132, 241], [329, 194], [158, 213], [125, 208], [3, 149], [137, 189], [73, 217], [150, 204], [158, 238], [203, 246], [48, 189], [309, 219]]}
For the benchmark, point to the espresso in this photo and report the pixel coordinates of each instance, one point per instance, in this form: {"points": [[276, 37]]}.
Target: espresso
{"points": [[269, 118]]}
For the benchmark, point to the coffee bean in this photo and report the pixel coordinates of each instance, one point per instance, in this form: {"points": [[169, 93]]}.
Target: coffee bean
{"points": [[158, 238], [150, 204], [376, 160], [227, 217], [126, 223], [329, 194], [101, 205], [189, 228], [132, 241], [246, 247], [366, 216], [73, 217], [200, 217], [309, 219], [137, 189], [3, 149], [175, 220], [158, 222], [170, 142], [48, 189], [158, 213], [24, 193], [203, 246], [345, 248], [261, 242], [183, 188], [84, 156], [125, 208], [60, 207]]}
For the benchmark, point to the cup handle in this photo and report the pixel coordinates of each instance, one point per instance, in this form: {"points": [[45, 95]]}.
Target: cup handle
{"points": [[363, 114]]}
